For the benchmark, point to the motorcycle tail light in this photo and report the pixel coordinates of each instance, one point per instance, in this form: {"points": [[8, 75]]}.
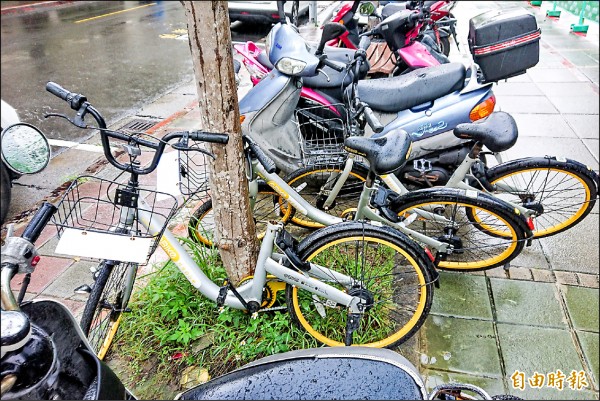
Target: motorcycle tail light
{"points": [[483, 109]]}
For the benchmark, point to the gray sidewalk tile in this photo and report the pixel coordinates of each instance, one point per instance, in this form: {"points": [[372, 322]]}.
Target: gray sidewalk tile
{"points": [[516, 89], [583, 104], [460, 345], [589, 346], [462, 295], [592, 146], [555, 75], [531, 257], [76, 275], [583, 89], [539, 146], [585, 126], [592, 73], [527, 302], [582, 306], [571, 250], [437, 377], [547, 125], [531, 104], [529, 349]]}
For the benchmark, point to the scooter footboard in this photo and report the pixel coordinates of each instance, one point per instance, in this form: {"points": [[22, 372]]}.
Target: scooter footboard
{"points": [[320, 373]]}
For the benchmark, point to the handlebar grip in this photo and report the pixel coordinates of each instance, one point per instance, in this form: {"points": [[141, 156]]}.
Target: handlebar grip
{"points": [[57, 90], [265, 160], [209, 137], [372, 120], [74, 99], [334, 66], [364, 43], [415, 16], [38, 222]]}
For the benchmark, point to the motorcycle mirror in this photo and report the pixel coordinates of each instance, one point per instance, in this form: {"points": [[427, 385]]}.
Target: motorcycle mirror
{"points": [[25, 149], [367, 8], [331, 30]]}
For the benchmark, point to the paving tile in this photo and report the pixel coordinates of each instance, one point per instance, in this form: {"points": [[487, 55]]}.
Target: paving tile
{"points": [[544, 350], [582, 305], [589, 345], [547, 125], [76, 275], [541, 146], [462, 295], [593, 74], [576, 104], [588, 280], [555, 75], [527, 302], [571, 250], [544, 276], [531, 104], [585, 126], [434, 378], [566, 277], [511, 88], [520, 273], [47, 270], [459, 345], [568, 89], [592, 145]]}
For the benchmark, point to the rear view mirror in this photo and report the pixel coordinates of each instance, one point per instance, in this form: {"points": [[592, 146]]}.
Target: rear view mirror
{"points": [[25, 149], [367, 8], [331, 30]]}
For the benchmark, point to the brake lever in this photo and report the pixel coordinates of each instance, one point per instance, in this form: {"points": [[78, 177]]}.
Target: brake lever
{"points": [[78, 122], [324, 73], [182, 146]]}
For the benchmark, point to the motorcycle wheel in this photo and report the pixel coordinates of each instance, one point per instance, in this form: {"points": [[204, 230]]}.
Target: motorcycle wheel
{"points": [[444, 45], [4, 193]]}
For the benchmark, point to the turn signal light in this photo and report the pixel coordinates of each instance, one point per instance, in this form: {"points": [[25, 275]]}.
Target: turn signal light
{"points": [[242, 118], [483, 109]]}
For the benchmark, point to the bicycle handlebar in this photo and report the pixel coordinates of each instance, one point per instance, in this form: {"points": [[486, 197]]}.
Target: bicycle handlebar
{"points": [[79, 102], [261, 156], [372, 120]]}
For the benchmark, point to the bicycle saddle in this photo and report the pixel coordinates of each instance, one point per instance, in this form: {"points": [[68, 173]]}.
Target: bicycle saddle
{"points": [[498, 132], [416, 87], [385, 154]]}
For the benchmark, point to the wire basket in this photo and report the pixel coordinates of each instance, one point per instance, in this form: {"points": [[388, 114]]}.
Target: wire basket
{"points": [[95, 205], [193, 170], [322, 134]]}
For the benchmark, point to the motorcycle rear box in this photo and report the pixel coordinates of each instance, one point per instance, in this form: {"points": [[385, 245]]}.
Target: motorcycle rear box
{"points": [[504, 43]]}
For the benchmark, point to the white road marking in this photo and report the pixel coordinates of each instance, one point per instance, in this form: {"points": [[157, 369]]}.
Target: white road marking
{"points": [[76, 145]]}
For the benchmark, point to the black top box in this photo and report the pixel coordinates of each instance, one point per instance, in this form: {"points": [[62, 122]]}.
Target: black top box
{"points": [[504, 43]]}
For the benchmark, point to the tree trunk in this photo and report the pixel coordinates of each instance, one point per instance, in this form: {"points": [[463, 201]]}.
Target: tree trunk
{"points": [[210, 44]]}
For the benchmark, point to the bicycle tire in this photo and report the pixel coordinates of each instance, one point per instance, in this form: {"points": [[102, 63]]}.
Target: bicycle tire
{"points": [[308, 181], [266, 208], [552, 181], [107, 301], [496, 238], [401, 267]]}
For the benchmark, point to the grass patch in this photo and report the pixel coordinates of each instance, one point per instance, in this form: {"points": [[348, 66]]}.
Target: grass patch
{"points": [[172, 327]]}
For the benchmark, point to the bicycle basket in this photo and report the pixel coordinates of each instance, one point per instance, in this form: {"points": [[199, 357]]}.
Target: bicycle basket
{"points": [[193, 170], [89, 214], [322, 134]]}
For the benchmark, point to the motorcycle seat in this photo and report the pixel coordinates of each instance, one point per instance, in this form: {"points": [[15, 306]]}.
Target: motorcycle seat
{"points": [[385, 154], [420, 86], [392, 8], [337, 79], [498, 132]]}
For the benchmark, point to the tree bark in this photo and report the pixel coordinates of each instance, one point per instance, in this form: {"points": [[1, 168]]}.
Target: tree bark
{"points": [[211, 48]]}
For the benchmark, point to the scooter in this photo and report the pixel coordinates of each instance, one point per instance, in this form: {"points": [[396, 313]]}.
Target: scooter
{"points": [[33, 157], [46, 356], [426, 103]]}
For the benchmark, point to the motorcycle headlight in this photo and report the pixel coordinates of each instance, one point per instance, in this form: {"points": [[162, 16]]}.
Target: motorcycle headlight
{"points": [[289, 66]]}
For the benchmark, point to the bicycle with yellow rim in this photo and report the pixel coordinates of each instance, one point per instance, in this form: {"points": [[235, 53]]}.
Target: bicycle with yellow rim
{"points": [[349, 284]]}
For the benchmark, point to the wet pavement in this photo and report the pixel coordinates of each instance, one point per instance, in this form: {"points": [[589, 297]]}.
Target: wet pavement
{"points": [[502, 330]]}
